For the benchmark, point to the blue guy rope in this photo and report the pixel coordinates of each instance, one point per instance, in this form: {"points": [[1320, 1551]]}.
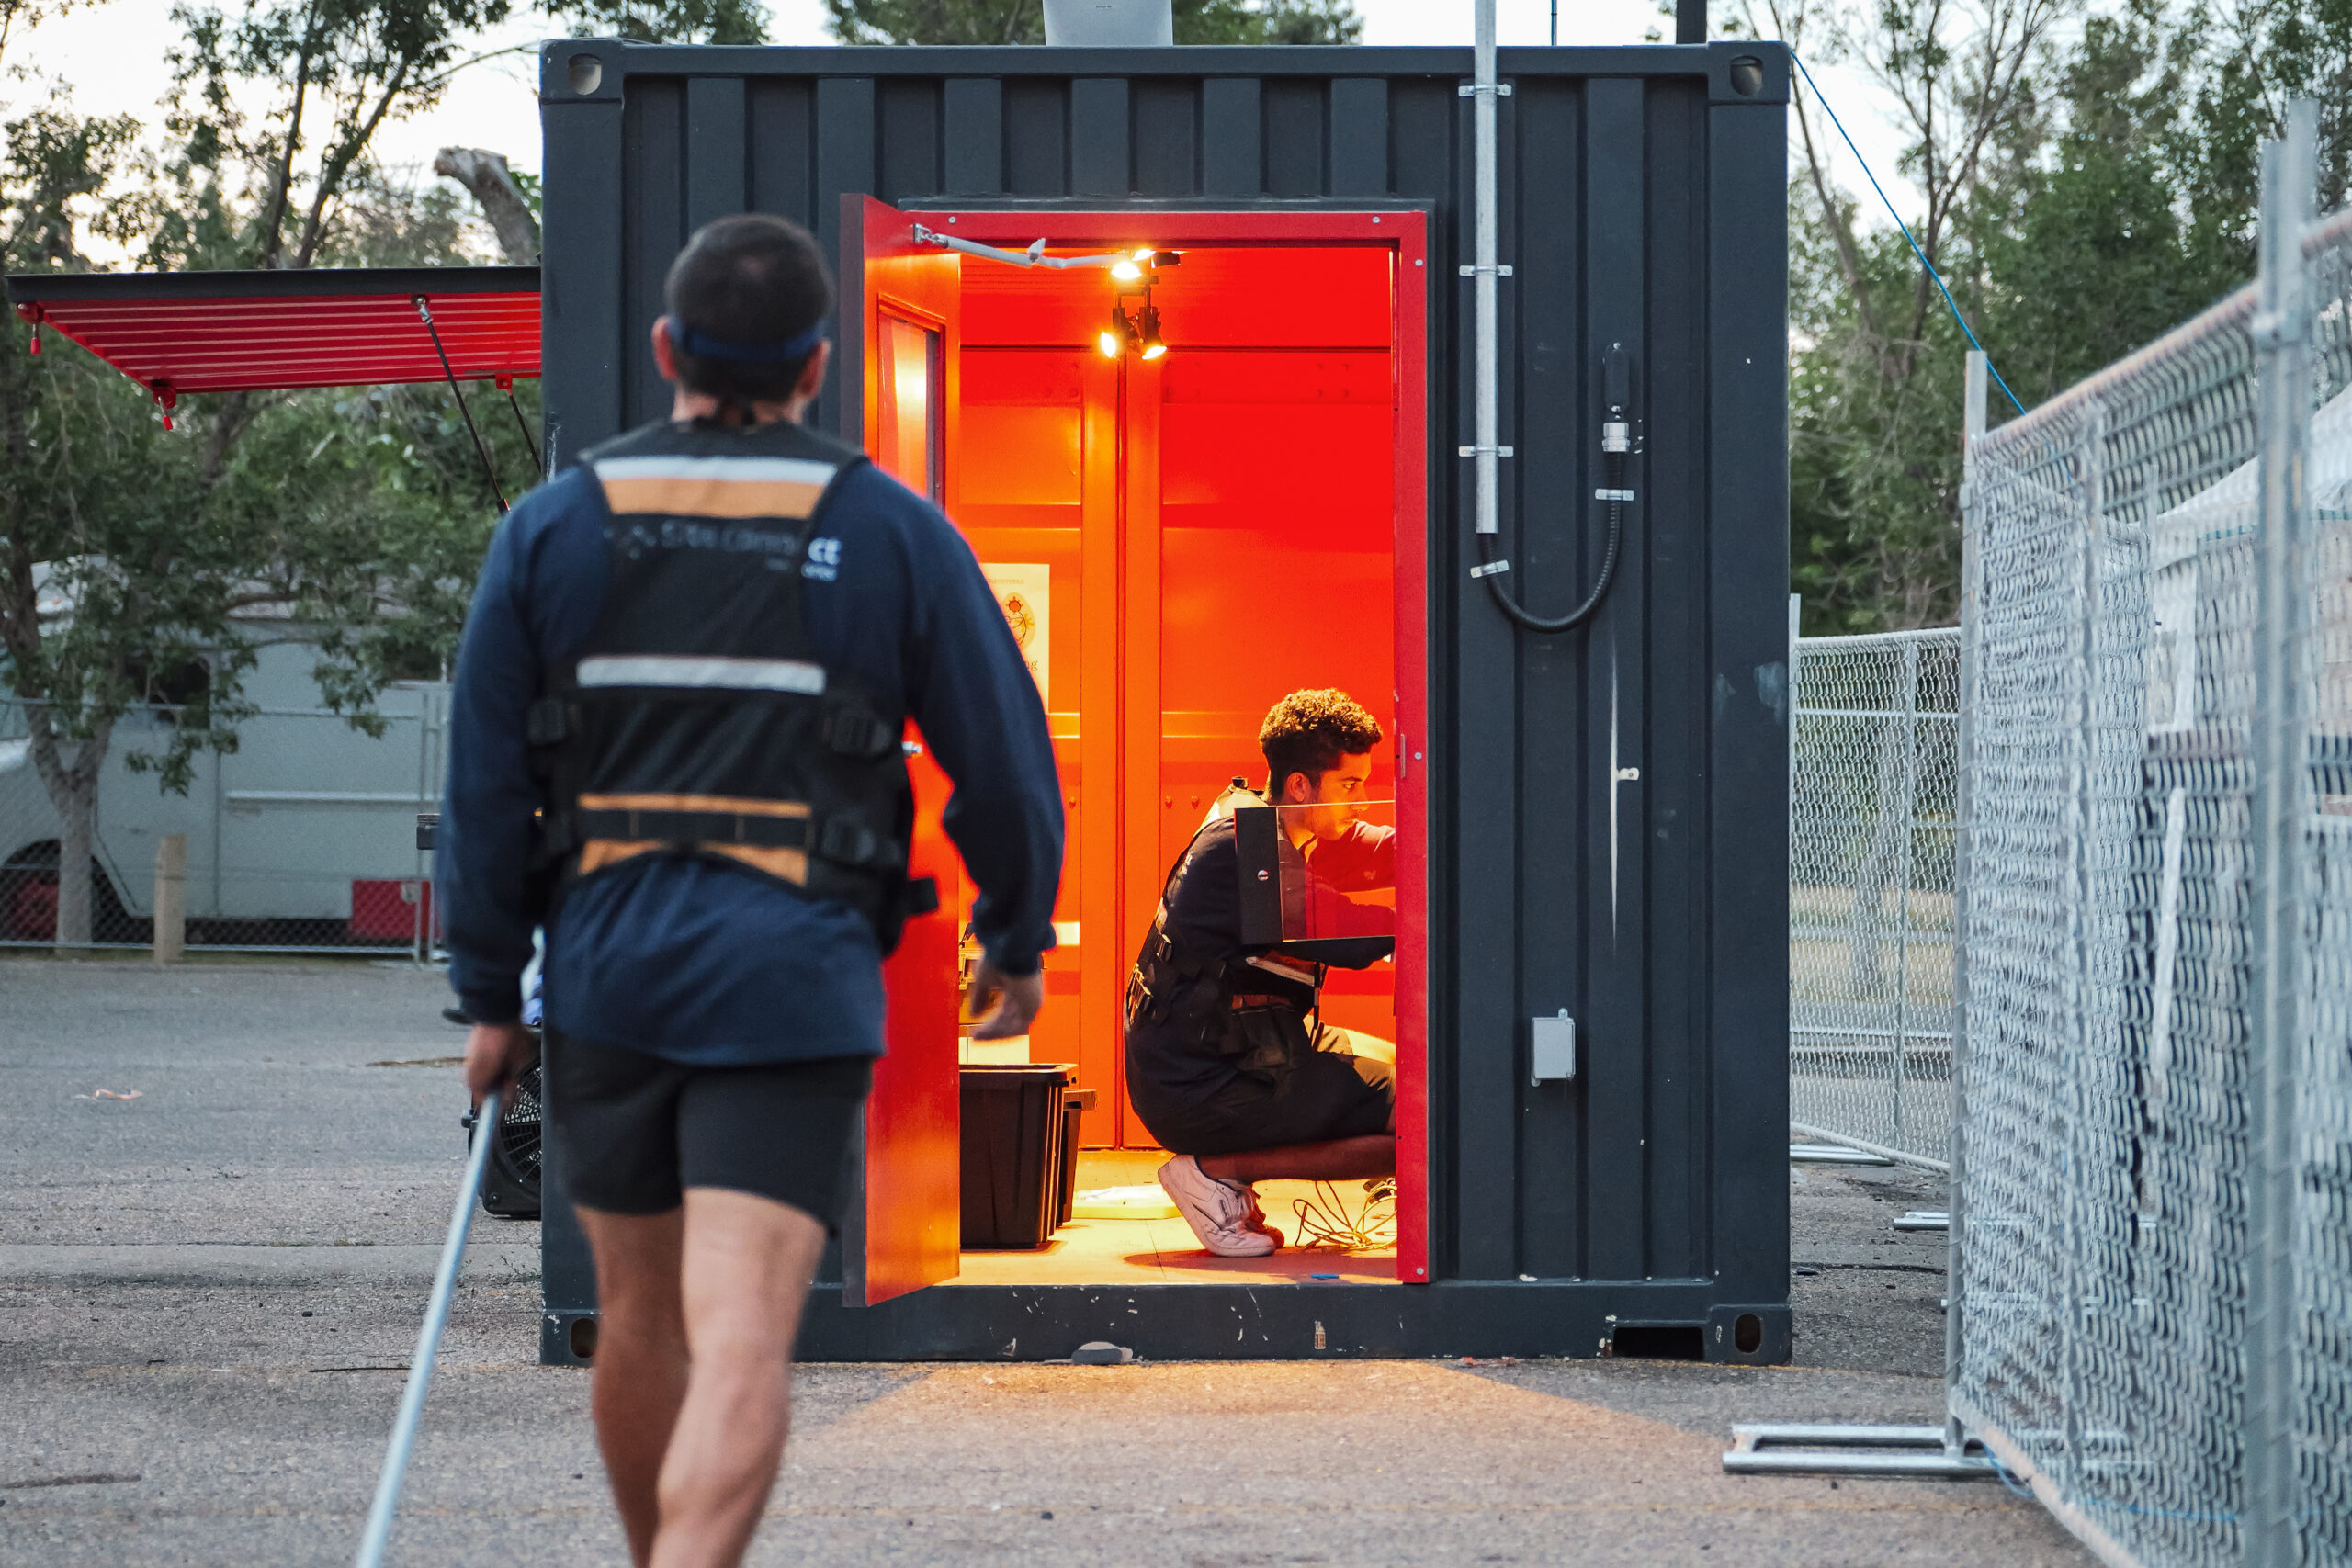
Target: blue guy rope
{"points": [[428, 1342], [1950, 303]]}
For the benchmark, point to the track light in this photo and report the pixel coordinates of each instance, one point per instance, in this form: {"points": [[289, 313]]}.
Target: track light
{"points": [[1126, 272], [1149, 337], [1120, 337]]}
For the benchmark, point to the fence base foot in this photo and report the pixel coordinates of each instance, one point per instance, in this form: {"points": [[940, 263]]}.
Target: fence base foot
{"points": [[1805, 1448]]}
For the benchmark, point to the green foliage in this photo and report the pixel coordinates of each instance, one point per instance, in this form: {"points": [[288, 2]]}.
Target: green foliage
{"points": [[332, 73], [2101, 194], [1023, 21], [138, 566], [669, 21]]}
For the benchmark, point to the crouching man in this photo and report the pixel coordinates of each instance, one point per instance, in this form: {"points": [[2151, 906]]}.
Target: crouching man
{"points": [[1229, 1063]]}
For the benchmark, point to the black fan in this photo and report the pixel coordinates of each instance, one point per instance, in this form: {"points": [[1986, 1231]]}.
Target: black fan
{"points": [[509, 1187]]}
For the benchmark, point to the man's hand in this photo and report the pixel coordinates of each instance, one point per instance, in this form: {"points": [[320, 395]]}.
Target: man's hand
{"points": [[1016, 1000], [496, 1054]]}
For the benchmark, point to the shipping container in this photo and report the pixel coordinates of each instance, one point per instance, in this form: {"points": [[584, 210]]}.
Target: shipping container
{"points": [[1588, 994]]}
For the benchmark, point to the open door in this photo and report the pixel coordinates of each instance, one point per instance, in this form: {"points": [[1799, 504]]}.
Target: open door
{"points": [[896, 384]]}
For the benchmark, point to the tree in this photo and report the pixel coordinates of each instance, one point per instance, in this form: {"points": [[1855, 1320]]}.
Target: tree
{"points": [[2079, 194], [135, 566], [668, 21], [502, 196], [1023, 21]]}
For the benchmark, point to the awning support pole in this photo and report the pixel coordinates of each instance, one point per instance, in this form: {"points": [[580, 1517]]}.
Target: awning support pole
{"points": [[506, 385], [489, 469]]}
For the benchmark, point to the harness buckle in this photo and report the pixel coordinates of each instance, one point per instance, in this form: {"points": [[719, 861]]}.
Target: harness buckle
{"points": [[848, 842], [546, 723], [857, 732]]}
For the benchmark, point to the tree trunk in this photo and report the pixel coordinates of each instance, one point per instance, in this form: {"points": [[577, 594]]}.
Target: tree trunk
{"points": [[72, 789], [492, 183], [77, 820]]}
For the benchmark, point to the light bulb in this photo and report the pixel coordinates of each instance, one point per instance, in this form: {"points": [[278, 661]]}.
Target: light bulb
{"points": [[1154, 349], [1126, 272], [1109, 344], [1144, 254]]}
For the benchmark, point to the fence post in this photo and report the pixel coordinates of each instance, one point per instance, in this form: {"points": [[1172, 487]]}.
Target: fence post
{"points": [[2280, 763], [1971, 561], [1906, 815], [170, 897]]}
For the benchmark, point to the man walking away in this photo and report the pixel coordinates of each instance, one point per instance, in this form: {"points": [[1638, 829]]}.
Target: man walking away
{"points": [[675, 741]]}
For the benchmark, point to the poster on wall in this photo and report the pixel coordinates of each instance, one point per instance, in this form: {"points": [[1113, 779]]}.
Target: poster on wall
{"points": [[1025, 593]]}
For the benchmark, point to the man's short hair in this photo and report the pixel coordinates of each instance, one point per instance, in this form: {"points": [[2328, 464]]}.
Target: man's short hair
{"points": [[1309, 732], [752, 281]]}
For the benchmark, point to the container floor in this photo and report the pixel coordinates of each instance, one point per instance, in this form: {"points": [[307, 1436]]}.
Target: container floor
{"points": [[1165, 1252]]}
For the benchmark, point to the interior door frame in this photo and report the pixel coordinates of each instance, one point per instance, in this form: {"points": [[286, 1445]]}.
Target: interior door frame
{"points": [[1402, 227]]}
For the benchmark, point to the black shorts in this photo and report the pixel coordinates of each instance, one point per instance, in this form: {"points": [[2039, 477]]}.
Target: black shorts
{"points": [[633, 1131], [1329, 1095]]}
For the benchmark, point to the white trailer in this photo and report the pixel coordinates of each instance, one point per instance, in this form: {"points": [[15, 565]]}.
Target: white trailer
{"points": [[304, 837]]}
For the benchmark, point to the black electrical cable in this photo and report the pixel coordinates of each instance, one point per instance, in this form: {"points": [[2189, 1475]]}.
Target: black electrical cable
{"points": [[1519, 613]]}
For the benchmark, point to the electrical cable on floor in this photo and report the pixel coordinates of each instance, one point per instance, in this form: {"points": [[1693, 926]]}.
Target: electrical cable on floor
{"points": [[1324, 1219]]}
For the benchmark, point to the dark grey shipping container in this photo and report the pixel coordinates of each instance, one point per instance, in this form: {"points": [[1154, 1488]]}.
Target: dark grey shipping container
{"points": [[1600, 816]]}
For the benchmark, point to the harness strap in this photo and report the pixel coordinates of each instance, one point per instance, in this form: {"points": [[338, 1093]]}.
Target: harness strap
{"points": [[840, 840]]}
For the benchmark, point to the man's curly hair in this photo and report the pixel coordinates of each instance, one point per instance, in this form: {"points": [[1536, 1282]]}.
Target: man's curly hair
{"points": [[1309, 732]]}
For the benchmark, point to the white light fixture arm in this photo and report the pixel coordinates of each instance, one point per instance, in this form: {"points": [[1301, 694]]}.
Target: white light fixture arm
{"points": [[1034, 257]]}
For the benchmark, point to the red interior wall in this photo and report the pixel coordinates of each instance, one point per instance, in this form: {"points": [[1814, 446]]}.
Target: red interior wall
{"points": [[1220, 531]]}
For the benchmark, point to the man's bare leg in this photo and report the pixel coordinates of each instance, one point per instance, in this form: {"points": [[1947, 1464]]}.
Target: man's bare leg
{"points": [[748, 1262], [1342, 1159], [639, 1376]]}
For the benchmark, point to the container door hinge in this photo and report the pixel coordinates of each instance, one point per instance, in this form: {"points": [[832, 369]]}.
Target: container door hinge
{"points": [[1552, 1049]]}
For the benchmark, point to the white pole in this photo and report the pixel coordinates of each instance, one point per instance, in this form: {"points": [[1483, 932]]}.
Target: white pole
{"points": [[428, 1343], [1487, 416], [1972, 562], [2281, 810], [170, 897]]}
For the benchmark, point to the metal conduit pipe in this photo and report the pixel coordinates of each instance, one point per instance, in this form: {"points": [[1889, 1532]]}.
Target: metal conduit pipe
{"points": [[1485, 453], [1485, 418]]}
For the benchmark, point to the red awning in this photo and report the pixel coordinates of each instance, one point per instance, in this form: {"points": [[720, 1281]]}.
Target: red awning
{"points": [[228, 331]]}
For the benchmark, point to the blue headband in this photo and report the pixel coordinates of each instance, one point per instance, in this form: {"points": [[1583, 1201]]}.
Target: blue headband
{"points": [[689, 341]]}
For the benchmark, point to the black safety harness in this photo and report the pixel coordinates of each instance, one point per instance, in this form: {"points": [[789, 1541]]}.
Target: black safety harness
{"points": [[698, 720], [1262, 1019]]}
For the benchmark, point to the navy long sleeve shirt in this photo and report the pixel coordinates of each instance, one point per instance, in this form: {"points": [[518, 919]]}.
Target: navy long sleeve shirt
{"points": [[691, 959]]}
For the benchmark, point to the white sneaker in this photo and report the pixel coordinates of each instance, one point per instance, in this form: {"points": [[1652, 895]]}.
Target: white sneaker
{"points": [[1219, 1214]]}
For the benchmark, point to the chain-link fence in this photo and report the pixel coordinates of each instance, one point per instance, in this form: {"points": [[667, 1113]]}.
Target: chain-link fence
{"points": [[2153, 1216], [301, 840], [1872, 773]]}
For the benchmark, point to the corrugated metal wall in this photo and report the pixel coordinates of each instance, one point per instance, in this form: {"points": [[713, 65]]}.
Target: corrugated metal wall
{"points": [[1610, 816]]}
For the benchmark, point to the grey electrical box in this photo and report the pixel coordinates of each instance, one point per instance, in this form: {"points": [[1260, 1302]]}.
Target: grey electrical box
{"points": [[1552, 1048]]}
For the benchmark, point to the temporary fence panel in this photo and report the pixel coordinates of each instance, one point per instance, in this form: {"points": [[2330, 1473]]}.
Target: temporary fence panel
{"points": [[302, 840], [2149, 1071], [1874, 769]]}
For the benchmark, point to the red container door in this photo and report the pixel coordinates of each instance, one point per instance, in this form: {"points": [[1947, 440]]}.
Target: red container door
{"points": [[898, 339]]}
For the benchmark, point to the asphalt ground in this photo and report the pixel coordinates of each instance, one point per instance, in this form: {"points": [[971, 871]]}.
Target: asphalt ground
{"points": [[207, 1294]]}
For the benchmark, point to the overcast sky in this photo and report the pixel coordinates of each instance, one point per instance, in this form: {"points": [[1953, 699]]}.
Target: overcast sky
{"points": [[112, 55]]}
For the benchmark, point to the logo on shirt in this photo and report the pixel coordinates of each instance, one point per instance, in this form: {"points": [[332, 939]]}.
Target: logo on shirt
{"points": [[824, 560]]}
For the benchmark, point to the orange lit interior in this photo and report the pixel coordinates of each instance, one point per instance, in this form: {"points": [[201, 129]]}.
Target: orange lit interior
{"points": [[1190, 537]]}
